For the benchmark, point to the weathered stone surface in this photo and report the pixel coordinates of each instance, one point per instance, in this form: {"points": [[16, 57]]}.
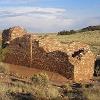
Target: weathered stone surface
{"points": [[19, 51], [73, 60], [11, 33]]}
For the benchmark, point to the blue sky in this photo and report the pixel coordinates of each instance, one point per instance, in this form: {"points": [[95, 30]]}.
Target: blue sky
{"points": [[49, 15]]}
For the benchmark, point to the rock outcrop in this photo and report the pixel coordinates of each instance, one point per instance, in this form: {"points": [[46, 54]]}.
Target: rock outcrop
{"points": [[73, 60]]}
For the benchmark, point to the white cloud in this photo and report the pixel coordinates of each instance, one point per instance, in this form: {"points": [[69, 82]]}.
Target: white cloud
{"points": [[35, 18], [9, 12]]}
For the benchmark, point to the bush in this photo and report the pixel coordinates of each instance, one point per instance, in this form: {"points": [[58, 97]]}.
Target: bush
{"points": [[42, 87], [66, 32], [72, 31], [40, 79]]}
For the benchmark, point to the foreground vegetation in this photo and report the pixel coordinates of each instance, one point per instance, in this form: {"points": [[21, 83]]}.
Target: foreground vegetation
{"points": [[39, 87]]}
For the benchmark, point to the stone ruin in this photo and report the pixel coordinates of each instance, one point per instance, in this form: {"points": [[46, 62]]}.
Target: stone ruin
{"points": [[74, 60]]}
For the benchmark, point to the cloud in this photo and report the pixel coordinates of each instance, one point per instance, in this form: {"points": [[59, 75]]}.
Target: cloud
{"points": [[13, 12], [36, 19], [39, 19]]}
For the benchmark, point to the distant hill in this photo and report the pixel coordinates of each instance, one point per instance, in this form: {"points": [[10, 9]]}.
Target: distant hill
{"points": [[89, 28]]}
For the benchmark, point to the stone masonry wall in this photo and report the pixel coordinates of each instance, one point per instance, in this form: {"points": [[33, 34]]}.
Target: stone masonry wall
{"points": [[19, 51], [74, 60]]}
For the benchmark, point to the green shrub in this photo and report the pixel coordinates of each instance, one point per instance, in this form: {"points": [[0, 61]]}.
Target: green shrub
{"points": [[40, 79], [66, 32], [42, 87]]}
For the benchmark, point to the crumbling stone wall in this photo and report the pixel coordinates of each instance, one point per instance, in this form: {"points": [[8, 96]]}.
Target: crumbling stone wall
{"points": [[11, 34], [73, 60], [19, 51]]}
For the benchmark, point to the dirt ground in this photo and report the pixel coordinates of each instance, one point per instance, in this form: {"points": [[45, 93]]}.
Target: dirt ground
{"points": [[26, 72]]}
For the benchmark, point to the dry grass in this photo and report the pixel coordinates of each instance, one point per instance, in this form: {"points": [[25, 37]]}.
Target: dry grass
{"points": [[91, 37], [93, 93], [34, 91], [18, 90]]}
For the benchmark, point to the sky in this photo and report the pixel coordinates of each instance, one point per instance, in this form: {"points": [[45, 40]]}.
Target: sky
{"points": [[49, 15]]}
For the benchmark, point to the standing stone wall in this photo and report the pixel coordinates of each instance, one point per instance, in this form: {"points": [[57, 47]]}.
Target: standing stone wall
{"points": [[19, 51], [84, 67]]}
